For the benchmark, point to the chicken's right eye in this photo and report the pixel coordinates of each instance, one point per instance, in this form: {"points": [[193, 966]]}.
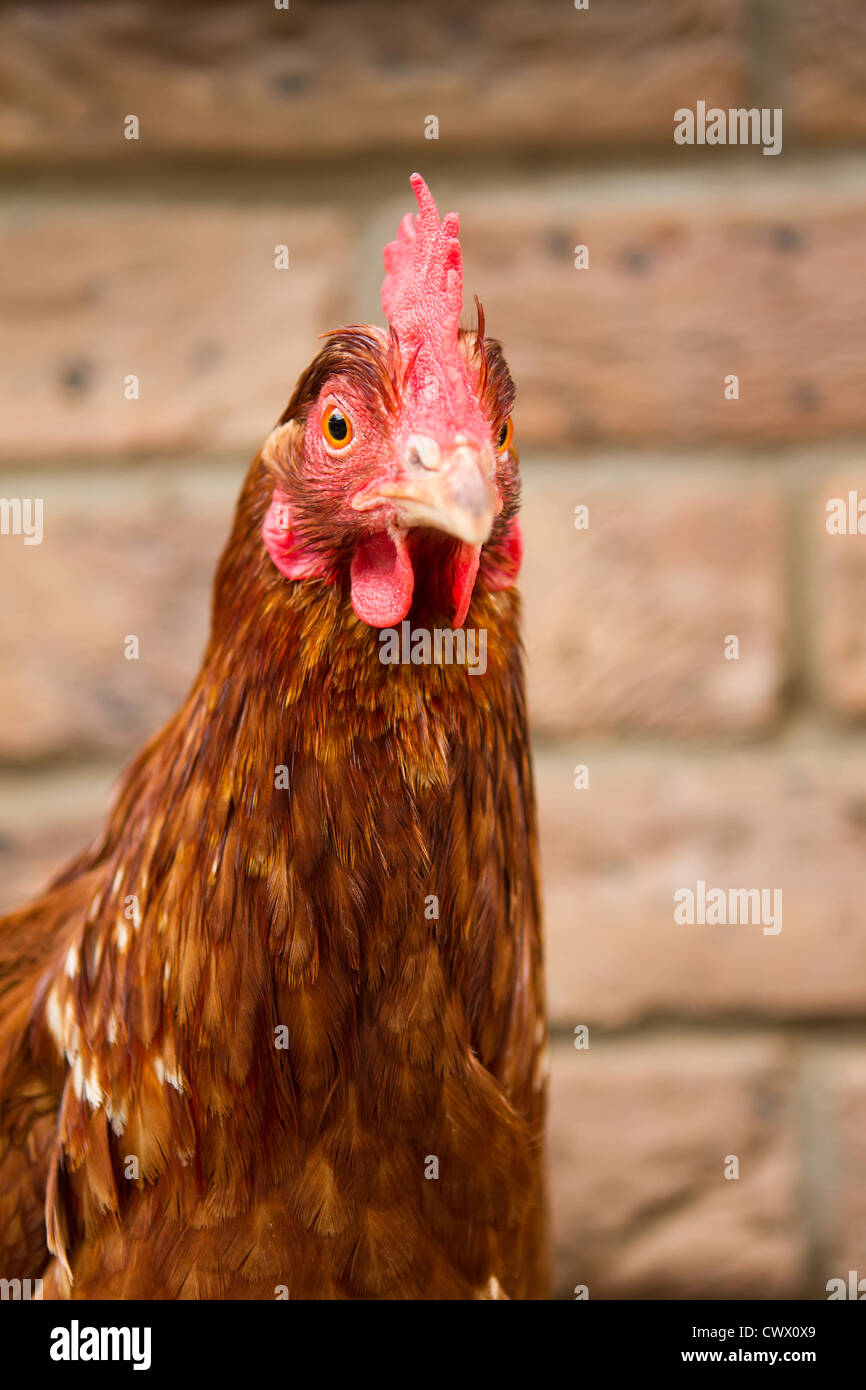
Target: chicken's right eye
{"points": [[336, 428]]}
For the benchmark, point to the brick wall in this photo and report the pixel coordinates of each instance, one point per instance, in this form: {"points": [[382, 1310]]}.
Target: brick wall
{"points": [[706, 515]]}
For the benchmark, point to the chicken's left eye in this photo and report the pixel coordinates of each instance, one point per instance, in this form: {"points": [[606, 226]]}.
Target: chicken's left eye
{"points": [[505, 436], [336, 428]]}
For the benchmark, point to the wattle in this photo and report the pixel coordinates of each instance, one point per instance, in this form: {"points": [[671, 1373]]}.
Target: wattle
{"points": [[382, 579]]}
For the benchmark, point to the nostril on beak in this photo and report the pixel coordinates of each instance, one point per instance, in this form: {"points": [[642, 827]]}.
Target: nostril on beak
{"points": [[423, 452]]}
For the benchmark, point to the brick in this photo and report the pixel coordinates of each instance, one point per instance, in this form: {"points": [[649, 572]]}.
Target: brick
{"points": [[639, 1134], [626, 622], [839, 646], [652, 822], [313, 81], [836, 1099], [47, 816], [185, 297], [821, 56], [752, 278], [635, 350], [118, 557], [139, 559]]}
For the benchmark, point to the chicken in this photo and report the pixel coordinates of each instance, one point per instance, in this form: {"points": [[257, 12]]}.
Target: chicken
{"points": [[280, 1031]]}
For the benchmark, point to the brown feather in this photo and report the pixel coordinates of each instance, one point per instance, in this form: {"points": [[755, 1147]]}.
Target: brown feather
{"points": [[151, 1035]]}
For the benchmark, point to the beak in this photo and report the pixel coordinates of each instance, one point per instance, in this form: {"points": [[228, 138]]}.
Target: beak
{"points": [[452, 490]]}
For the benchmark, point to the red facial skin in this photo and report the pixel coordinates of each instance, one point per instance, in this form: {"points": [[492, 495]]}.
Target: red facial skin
{"points": [[420, 500], [368, 530]]}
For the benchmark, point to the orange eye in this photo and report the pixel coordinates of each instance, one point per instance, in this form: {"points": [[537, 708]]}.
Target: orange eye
{"points": [[336, 428], [506, 434]]}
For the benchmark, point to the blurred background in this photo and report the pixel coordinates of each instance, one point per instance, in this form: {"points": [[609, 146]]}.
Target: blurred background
{"points": [[261, 127]]}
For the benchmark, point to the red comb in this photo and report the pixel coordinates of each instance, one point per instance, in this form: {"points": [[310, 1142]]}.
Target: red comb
{"points": [[422, 293]]}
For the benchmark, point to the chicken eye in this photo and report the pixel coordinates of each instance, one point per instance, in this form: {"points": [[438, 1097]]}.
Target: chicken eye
{"points": [[505, 436], [336, 428]]}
